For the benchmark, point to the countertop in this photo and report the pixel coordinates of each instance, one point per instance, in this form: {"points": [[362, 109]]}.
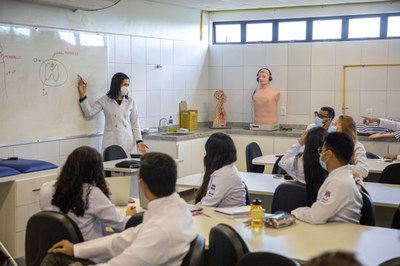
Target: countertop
{"points": [[204, 131]]}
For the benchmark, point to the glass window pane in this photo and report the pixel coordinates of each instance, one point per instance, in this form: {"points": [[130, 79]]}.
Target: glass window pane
{"points": [[290, 31], [393, 29], [227, 33], [327, 29], [364, 27], [256, 32]]}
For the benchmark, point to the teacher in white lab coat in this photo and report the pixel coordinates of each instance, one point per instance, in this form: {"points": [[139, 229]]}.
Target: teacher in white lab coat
{"points": [[121, 117]]}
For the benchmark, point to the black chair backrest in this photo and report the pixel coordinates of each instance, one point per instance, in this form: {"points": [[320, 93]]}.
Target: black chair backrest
{"points": [[135, 220], [226, 246], [371, 155], [391, 262], [196, 253], [391, 174], [43, 230], [253, 151], [288, 196], [247, 194], [396, 219], [266, 258], [113, 152], [276, 169], [367, 210]]}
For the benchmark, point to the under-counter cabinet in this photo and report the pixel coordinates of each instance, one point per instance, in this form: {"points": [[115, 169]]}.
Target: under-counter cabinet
{"points": [[19, 200]]}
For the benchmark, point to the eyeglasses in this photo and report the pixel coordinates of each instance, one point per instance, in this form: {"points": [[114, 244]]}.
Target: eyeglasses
{"points": [[320, 115]]}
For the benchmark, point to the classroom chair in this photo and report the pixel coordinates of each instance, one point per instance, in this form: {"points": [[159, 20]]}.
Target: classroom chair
{"points": [[196, 253], [391, 174], [396, 219], [266, 258], [134, 220], [226, 246], [277, 170], [113, 152], [367, 210], [43, 230], [288, 196], [371, 155], [391, 262], [253, 151]]}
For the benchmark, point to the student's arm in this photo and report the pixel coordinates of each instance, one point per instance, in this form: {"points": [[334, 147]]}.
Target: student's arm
{"points": [[325, 207], [91, 110], [390, 124], [216, 192], [382, 135], [102, 207], [287, 163], [360, 160]]}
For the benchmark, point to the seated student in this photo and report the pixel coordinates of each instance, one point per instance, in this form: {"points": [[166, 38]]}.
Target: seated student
{"points": [[222, 186], [81, 192], [324, 118], [358, 163], [337, 258], [162, 239], [339, 199], [304, 167]]}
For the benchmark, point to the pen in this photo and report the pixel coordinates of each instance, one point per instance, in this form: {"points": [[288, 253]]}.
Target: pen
{"points": [[206, 215], [84, 82]]}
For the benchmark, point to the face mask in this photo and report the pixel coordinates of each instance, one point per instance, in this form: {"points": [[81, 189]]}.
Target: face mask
{"points": [[322, 163], [332, 129], [124, 90], [318, 122]]}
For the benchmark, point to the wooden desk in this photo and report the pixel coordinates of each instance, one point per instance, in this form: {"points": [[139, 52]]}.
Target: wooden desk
{"points": [[375, 166], [302, 241], [385, 195]]}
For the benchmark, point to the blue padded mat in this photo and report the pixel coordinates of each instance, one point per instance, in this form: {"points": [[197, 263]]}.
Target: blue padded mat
{"points": [[27, 166], [7, 171]]}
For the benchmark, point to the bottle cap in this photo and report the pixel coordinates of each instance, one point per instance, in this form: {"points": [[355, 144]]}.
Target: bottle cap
{"points": [[256, 201]]}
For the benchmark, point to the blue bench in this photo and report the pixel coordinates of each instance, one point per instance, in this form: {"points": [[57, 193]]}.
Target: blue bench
{"points": [[27, 166], [7, 171]]}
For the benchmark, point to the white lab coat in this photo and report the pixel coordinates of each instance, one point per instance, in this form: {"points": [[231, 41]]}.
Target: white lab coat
{"points": [[390, 124], [162, 239], [287, 163], [338, 200], [100, 214], [121, 121], [225, 189]]}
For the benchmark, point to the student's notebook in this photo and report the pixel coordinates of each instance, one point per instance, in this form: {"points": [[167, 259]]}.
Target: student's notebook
{"points": [[234, 212]]}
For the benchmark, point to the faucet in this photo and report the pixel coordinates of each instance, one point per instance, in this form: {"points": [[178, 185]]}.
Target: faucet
{"points": [[163, 128]]}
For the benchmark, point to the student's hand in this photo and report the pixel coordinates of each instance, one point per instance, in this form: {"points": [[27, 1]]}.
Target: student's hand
{"points": [[130, 211], [367, 120], [302, 138], [390, 156], [63, 247], [81, 87], [142, 147]]}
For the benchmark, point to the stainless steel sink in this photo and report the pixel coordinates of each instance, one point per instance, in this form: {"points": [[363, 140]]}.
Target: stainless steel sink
{"points": [[175, 133]]}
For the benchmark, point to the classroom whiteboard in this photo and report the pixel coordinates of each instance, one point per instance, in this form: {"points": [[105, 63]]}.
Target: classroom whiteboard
{"points": [[38, 82]]}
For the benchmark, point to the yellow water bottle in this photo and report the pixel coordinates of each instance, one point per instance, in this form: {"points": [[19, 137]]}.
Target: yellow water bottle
{"points": [[256, 214]]}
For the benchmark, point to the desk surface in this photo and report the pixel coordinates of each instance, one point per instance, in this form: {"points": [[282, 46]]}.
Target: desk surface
{"points": [[375, 165], [386, 195], [302, 241], [110, 166]]}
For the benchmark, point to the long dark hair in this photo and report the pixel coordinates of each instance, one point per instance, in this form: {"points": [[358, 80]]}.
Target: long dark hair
{"points": [[314, 174], [83, 165], [220, 151], [115, 85]]}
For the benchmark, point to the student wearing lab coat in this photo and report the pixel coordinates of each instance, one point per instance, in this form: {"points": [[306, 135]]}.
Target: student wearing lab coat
{"points": [[121, 116], [222, 186], [164, 236], [81, 192], [339, 198]]}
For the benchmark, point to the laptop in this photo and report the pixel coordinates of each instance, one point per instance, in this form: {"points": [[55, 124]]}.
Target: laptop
{"points": [[119, 187]]}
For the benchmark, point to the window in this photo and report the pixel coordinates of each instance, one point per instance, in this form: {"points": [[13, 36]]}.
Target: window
{"points": [[259, 32], [327, 29], [393, 27], [364, 28], [292, 31], [227, 33]]}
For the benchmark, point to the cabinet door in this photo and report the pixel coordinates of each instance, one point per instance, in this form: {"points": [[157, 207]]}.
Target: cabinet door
{"points": [[378, 147], [394, 148], [282, 144], [164, 146], [192, 153]]}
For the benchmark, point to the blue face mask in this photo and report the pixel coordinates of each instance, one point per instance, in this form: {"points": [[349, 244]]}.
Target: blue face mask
{"points": [[318, 122], [332, 129], [322, 163]]}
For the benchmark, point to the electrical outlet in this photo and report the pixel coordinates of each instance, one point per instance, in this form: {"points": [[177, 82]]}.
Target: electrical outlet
{"points": [[283, 110], [369, 111]]}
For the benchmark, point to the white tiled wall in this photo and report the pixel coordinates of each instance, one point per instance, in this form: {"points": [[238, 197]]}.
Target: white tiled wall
{"points": [[308, 76]]}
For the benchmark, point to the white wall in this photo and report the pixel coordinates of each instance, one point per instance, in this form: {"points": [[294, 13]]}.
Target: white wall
{"points": [[308, 75]]}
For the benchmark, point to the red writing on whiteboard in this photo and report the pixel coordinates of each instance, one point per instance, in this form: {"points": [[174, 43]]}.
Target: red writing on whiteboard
{"points": [[66, 53], [12, 56], [11, 72]]}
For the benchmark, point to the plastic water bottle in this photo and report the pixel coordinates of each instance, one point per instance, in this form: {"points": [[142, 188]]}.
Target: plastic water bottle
{"points": [[170, 121], [256, 214]]}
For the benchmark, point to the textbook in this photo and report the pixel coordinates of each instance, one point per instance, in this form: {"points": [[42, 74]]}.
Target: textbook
{"points": [[234, 212]]}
